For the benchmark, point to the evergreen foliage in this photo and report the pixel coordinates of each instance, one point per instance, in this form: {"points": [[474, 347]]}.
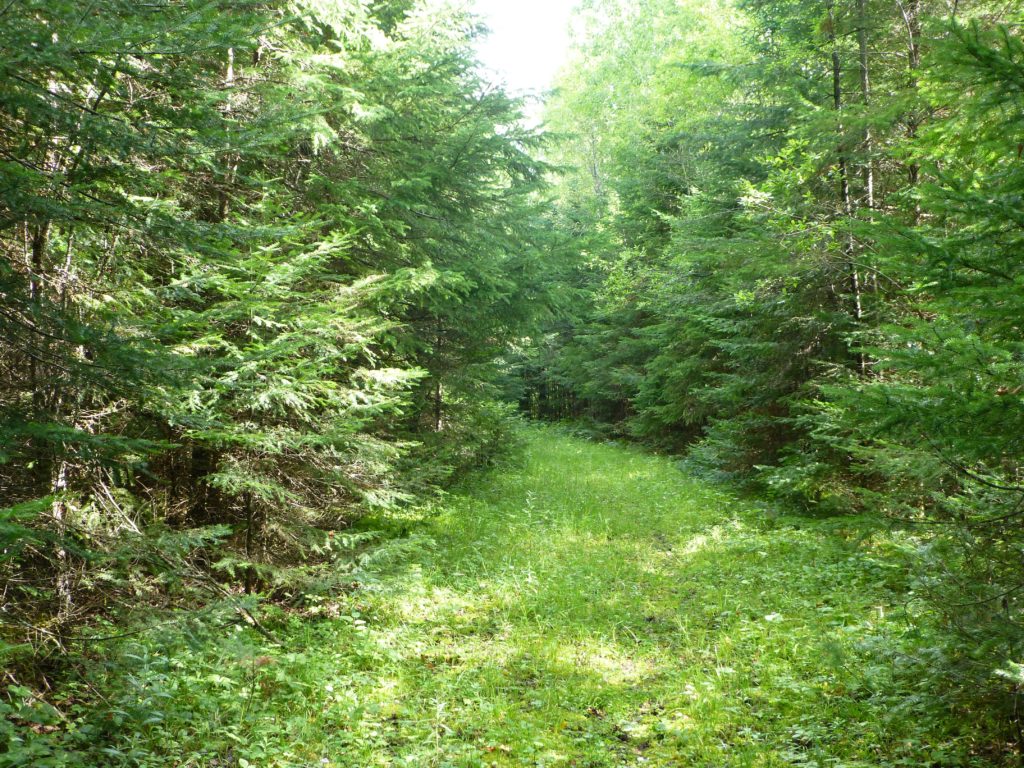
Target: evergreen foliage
{"points": [[258, 262], [803, 237], [271, 267]]}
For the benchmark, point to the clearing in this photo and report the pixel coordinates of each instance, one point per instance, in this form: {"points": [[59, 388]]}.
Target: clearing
{"points": [[591, 605]]}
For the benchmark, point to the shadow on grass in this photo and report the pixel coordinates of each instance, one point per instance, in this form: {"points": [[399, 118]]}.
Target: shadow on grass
{"points": [[595, 607]]}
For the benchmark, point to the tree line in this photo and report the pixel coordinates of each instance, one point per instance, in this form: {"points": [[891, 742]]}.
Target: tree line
{"points": [[801, 234], [258, 259]]}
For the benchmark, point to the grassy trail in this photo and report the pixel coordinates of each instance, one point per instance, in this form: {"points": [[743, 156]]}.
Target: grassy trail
{"points": [[595, 607], [589, 606]]}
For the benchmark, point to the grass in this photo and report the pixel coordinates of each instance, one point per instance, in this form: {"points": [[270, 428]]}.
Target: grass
{"points": [[596, 607], [588, 606]]}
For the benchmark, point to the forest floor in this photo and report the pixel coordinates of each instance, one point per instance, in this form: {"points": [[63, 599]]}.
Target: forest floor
{"points": [[591, 605]]}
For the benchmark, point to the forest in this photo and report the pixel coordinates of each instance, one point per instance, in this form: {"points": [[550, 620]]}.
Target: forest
{"points": [[350, 416]]}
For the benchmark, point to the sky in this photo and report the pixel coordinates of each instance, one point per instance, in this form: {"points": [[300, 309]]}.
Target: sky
{"points": [[529, 41]]}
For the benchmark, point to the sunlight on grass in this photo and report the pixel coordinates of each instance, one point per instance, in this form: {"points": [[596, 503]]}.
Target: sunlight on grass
{"points": [[593, 606]]}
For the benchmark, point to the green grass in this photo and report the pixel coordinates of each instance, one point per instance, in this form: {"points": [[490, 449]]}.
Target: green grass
{"points": [[596, 607], [589, 605]]}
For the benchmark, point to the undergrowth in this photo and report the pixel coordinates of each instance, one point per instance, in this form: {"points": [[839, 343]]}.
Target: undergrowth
{"points": [[587, 605]]}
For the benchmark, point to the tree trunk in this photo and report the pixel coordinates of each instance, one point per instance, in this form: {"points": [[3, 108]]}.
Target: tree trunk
{"points": [[844, 165], [912, 19], [250, 544], [849, 247], [865, 95], [438, 405], [204, 504], [62, 579], [595, 170], [37, 266]]}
